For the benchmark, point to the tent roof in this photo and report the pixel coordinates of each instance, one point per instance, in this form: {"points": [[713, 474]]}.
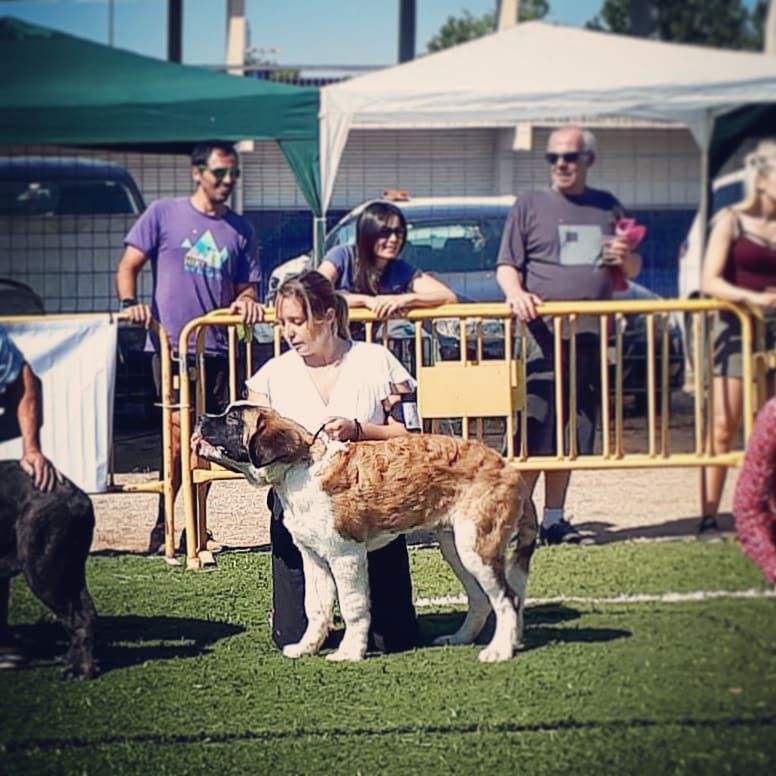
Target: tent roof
{"points": [[542, 70], [57, 88], [535, 71]]}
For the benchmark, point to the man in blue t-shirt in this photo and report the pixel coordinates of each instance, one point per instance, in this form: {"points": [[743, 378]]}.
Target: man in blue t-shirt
{"points": [[553, 249]]}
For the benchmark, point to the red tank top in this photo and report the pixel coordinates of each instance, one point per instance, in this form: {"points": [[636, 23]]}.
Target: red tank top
{"points": [[751, 262]]}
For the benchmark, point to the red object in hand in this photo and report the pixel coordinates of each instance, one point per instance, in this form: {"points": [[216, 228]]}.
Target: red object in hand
{"points": [[634, 233]]}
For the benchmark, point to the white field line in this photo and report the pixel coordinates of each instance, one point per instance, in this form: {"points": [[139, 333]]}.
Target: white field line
{"points": [[637, 598]]}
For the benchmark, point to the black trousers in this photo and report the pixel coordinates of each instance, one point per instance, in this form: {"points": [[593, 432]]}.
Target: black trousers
{"points": [[394, 625]]}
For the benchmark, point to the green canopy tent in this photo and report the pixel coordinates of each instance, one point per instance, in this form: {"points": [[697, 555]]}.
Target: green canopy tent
{"points": [[59, 89]]}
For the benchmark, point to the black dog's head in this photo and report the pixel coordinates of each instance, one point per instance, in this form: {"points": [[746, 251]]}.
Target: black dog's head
{"points": [[247, 438]]}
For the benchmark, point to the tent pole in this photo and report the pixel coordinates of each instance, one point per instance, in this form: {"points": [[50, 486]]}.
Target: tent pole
{"points": [[704, 200], [319, 234]]}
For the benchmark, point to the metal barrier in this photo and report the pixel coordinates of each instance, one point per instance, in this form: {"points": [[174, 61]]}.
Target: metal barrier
{"points": [[163, 485], [470, 364]]}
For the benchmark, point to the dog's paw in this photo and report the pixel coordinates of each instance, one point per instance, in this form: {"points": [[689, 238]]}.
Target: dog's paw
{"points": [[345, 655], [300, 649], [493, 654]]}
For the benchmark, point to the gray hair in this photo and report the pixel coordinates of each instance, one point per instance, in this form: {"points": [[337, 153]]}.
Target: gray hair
{"points": [[589, 144]]}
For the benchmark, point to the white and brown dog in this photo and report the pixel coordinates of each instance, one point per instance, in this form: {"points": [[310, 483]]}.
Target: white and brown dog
{"points": [[342, 499]]}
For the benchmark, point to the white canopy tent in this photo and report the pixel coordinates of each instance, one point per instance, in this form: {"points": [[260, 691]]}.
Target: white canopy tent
{"points": [[537, 71]]}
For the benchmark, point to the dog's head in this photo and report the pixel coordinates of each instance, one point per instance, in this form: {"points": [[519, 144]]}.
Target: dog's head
{"points": [[248, 439]]}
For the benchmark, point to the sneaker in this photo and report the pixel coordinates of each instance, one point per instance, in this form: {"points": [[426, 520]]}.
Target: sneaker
{"points": [[708, 523], [561, 532]]}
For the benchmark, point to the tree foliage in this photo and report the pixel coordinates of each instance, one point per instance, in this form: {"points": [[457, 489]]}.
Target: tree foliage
{"points": [[720, 23], [459, 29]]}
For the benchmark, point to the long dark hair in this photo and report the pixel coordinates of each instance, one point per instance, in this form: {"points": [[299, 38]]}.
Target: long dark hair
{"points": [[317, 295], [373, 218]]}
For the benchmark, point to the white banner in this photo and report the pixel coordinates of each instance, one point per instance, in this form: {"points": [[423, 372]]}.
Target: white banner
{"points": [[76, 363]]}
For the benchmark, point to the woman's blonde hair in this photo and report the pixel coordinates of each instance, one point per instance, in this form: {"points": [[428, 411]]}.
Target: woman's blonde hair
{"points": [[317, 295], [757, 163]]}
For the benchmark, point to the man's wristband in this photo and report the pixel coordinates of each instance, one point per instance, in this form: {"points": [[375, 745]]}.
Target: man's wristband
{"points": [[128, 302]]}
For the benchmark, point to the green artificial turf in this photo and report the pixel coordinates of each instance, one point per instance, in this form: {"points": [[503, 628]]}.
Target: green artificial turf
{"points": [[191, 680]]}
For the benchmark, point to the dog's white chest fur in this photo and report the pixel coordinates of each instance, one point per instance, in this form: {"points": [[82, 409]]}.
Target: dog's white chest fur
{"points": [[308, 511]]}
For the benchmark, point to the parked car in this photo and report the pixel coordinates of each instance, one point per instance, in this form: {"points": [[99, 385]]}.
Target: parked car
{"points": [[18, 299], [62, 225], [457, 239]]}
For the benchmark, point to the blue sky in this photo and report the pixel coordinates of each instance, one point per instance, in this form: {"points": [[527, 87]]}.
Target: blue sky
{"points": [[305, 32]]}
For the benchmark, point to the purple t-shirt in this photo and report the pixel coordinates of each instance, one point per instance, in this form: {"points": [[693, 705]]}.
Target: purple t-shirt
{"points": [[197, 260], [397, 276], [555, 242]]}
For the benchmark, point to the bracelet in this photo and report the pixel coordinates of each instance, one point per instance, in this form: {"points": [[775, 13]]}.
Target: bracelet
{"points": [[128, 302], [359, 431]]}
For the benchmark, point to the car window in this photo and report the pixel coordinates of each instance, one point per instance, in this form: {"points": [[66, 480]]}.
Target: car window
{"points": [[454, 245], [727, 195], [65, 197], [341, 235]]}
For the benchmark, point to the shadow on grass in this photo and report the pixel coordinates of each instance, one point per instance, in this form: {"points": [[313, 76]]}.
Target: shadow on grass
{"points": [[129, 640], [606, 533], [541, 627]]}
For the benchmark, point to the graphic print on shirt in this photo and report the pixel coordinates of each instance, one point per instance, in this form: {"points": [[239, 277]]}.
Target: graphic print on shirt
{"points": [[579, 244], [204, 257]]}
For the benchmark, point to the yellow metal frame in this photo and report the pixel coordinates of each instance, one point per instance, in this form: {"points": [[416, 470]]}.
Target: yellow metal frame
{"points": [[477, 388]]}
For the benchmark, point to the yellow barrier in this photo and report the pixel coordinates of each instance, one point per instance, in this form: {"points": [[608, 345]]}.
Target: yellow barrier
{"points": [[476, 391]]}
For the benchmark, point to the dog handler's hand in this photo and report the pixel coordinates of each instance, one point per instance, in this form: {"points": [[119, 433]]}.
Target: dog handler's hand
{"points": [[42, 471], [340, 429]]}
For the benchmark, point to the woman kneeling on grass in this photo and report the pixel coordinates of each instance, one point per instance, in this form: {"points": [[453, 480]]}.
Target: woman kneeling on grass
{"points": [[348, 388]]}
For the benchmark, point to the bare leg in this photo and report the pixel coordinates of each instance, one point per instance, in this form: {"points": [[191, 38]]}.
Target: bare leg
{"points": [[728, 408], [556, 485]]}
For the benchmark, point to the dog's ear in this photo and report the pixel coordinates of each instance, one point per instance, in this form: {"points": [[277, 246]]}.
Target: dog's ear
{"points": [[272, 444]]}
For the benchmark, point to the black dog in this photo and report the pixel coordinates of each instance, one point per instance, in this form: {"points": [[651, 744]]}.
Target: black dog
{"points": [[46, 537]]}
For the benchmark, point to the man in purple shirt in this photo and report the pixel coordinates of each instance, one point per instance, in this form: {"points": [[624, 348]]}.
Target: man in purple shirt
{"points": [[552, 249], [203, 257]]}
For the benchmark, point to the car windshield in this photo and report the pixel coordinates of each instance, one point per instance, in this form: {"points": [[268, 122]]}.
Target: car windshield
{"points": [[65, 197], [441, 242], [454, 244], [727, 195]]}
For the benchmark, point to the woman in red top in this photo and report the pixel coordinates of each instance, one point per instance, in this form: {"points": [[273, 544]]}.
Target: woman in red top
{"points": [[739, 266]]}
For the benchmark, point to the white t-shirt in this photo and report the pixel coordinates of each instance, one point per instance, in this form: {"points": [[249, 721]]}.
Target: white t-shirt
{"points": [[368, 375]]}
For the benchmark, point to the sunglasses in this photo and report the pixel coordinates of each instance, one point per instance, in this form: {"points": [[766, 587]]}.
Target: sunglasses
{"points": [[572, 157], [219, 173], [387, 231]]}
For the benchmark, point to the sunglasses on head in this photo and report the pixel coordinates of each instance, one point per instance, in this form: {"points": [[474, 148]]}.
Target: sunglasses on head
{"points": [[387, 231], [219, 173], [572, 157]]}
